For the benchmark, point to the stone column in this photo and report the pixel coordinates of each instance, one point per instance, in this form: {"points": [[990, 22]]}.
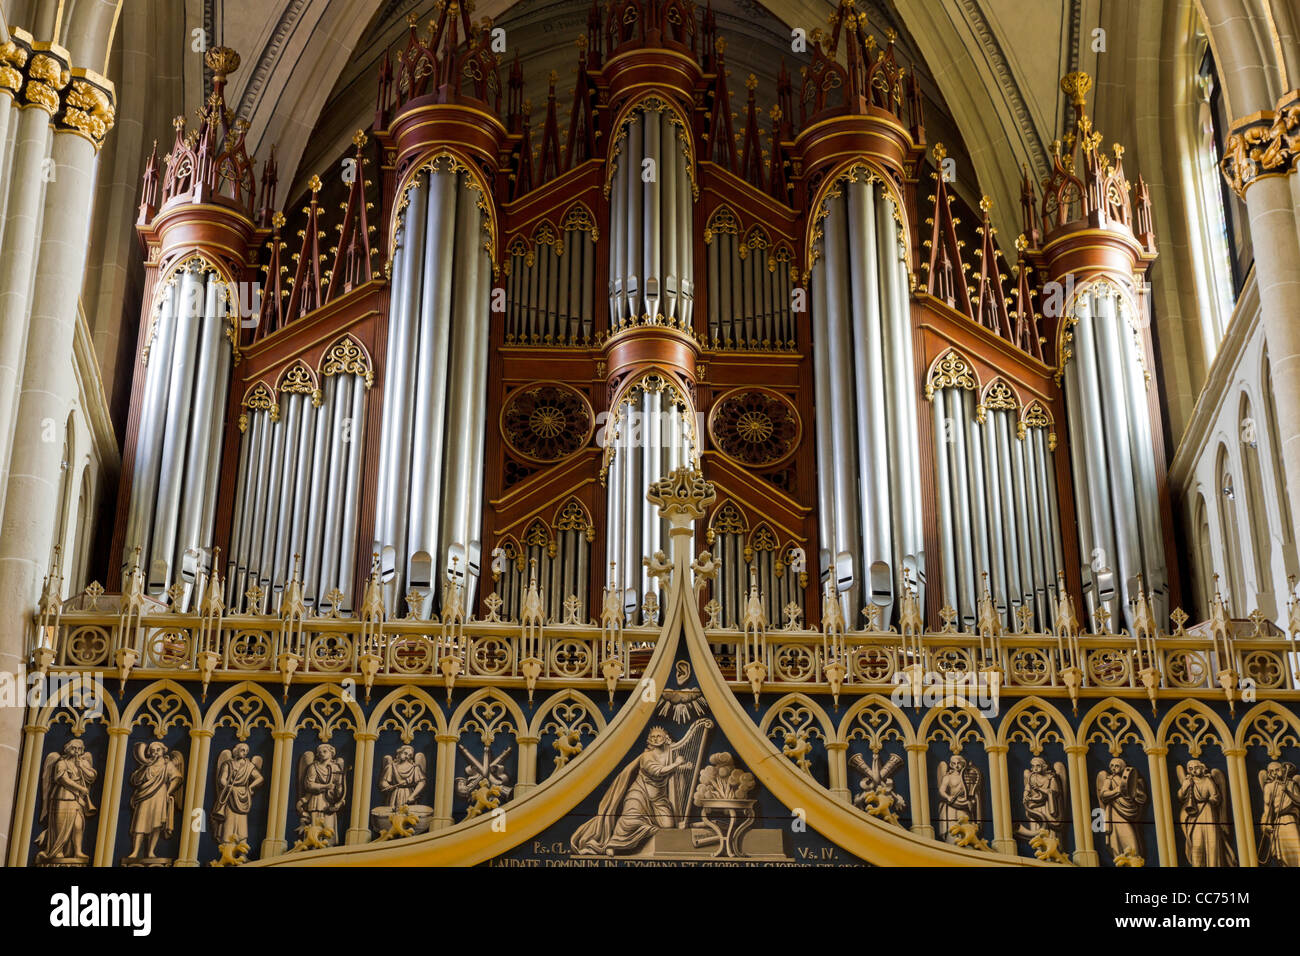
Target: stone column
{"points": [[527, 764], [445, 771], [1004, 837], [1162, 805], [1085, 850], [110, 796], [359, 827], [27, 530], [273, 844], [919, 794], [838, 770], [187, 853]]}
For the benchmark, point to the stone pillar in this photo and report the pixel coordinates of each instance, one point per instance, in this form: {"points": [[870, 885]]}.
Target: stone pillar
{"points": [[187, 854], [110, 799], [1243, 820], [1004, 837], [445, 772], [527, 764], [33, 745], [919, 794], [31, 503], [281, 772], [1162, 806], [359, 828], [1085, 851], [838, 769]]}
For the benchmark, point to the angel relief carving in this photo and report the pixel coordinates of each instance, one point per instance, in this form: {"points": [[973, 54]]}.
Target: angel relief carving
{"points": [[402, 783], [66, 780], [1121, 794], [156, 786], [322, 791], [960, 797], [238, 775], [1207, 835], [1279, 823], [1044, 799]]}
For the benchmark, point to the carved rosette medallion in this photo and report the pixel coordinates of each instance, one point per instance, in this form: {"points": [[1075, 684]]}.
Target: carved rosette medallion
{"points": [[754, 427], [546, 422]]}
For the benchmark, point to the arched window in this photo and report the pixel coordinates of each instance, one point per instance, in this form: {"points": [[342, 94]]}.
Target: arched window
{"points": [[1204, 557], [1230, 532], [1224, 238], [1261, 542], [1275, 455]]}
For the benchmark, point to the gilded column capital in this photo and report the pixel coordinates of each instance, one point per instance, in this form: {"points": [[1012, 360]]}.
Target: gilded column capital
{"points": [[89, 107], [14, 54], [1263, 144], [48, 73]]}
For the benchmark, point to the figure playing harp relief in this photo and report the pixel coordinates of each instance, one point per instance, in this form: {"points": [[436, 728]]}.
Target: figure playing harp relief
{"points": [[650, 794]]}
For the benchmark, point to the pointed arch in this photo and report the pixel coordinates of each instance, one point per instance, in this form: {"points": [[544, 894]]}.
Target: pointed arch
{"points": [[512, 709], [1114, 705], [166, 684], [896, 715], [413, 692], [559, 697], [952, 368], [234, 691], [1216, 724], [110, 715], [325, 691], [571, 515], [1246, 736], [347, 356], [1006, 725], [824, 722]]}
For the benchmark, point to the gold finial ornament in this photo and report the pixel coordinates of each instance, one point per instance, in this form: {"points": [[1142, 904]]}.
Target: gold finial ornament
{"points": [[986, 203], [751, 82], [940, 152], [222, 61], [1076, 86], [359, 138], [314, 184]]}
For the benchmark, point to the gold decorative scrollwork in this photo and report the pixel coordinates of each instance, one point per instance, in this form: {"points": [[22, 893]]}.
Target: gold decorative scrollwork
{"points": [[347, 357], [951, 370]]}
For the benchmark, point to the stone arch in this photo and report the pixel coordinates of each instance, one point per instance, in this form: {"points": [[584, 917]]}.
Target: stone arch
{"points": [[293, 722], [512, 709], [1006, 728], [130, 714], [1115, 705], [236, 690], [895, 712], [389, 700]]}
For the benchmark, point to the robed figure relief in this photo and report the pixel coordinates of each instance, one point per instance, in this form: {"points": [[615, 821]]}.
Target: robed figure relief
{"points": [[66, 780], [1207, 837], [322, 791], [960, 787], [404, 777], [1121, 794], [1279, 840], [1044, 799], [238, 775], [650, 794], [155, 799]]}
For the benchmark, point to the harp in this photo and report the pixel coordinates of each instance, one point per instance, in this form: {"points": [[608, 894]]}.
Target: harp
{"points": [[690, 749]]}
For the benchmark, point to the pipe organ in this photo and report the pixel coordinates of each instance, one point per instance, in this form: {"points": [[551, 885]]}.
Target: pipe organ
{"points": [[489, 442], [172, 507], [445, 386], [430, 470], [1121, 540], [867, 458]]}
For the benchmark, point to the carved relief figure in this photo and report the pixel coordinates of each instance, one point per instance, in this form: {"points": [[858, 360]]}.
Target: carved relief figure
{"points": [[155, 796], [1204, 816], [1044, 798], [66, 780], [238, 775], [1279, 840], [651, 793], [405, 775], [322, 791], [960, 786], [1121, 794], [486, 783]]}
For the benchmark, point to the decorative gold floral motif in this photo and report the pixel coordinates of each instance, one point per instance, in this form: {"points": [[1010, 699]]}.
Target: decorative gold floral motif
{"points": [[754, 427], [951, 371], [546, 421], [346, 357]]}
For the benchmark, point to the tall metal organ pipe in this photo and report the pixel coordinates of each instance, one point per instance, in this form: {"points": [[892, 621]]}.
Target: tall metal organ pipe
{"points": [[866, 438], [1112, 457], [172, 509], [428, 507], [651, 266], [998, 515]]}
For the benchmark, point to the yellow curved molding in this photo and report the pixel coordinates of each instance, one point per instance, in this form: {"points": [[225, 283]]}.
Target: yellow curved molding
{"points": [[474, 841]]}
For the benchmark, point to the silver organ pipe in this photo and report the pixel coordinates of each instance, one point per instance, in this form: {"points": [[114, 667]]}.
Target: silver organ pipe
{"points": [[432, 439], [324, 426], [1005, 498], [1112, 452], [399, 396], [862, 320], [431, 426], [550, 301], [281, 563], [651, 228], [172, 509]]}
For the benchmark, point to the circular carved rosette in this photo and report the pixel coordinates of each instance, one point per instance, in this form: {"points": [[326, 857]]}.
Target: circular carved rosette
{"points": [[546, 421], [754, 427]]}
